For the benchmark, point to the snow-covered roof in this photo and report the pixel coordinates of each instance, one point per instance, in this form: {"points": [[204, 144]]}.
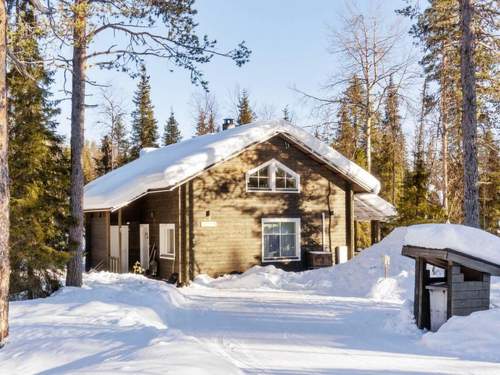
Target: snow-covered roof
{"points": [[466, 240], [166, 167], [369, 206]]}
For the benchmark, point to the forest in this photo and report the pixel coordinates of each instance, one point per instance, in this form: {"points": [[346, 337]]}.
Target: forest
{"points": [[447, 169]]}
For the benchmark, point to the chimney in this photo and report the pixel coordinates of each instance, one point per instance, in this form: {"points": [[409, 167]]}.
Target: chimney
{"points": [[228, 124]]}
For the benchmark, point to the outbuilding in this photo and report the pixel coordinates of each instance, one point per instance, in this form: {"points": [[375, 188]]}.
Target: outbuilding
{"points": [[453, 269]]}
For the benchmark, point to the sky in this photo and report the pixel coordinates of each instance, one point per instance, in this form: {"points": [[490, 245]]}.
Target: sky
{"points": [[289, 43]]}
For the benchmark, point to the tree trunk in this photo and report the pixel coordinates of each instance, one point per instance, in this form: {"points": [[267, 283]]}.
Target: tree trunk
{"points": [[75, 266], [444, 133], [469, 126], [369, 143], [4, 183]]}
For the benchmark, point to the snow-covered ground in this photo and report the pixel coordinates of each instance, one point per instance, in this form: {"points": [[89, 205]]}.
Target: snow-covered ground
{"points": [[343, 320]]}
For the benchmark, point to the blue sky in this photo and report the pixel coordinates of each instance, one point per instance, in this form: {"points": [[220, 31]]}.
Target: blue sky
{"points": [[288, 39]]}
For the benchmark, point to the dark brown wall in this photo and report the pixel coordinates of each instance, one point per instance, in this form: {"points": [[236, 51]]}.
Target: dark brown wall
{"points": [[152, 209], [235, 243], [97, 237]]}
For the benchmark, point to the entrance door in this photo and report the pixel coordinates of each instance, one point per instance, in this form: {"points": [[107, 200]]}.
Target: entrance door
{"points": [[114, 246], [144, 245]]}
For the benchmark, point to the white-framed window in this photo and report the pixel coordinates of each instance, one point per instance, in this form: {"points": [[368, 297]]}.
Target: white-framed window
{"points": [[273, 176], [167, 241], [280, 239]]}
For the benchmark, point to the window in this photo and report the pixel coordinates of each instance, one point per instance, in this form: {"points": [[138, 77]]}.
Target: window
{"points": [[167, 241], [274, 177], [280, 239]]}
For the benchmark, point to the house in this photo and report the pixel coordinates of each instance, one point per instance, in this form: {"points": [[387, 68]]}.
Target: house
{"points": [[262, 193]]}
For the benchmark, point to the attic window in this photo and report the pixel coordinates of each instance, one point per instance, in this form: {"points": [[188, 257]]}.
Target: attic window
{"points": [[272, 176]]}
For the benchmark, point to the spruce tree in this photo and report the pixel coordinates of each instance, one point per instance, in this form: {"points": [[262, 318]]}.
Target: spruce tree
{"points": [[144, 126], [119, 143], [489, 184], [104, 163], [390, 151], [245, 113], [171, 134], [349, 138], [39, 170]]}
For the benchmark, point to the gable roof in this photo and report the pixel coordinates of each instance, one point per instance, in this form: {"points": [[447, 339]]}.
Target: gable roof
{"points": [[167, 167]]}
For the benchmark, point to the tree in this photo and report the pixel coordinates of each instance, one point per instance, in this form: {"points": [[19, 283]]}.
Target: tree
{"points": [[114, 119], [39, 173], [367, 49], [389, 162], [469, 113], [104, 163], [438, 29], [245, 113], [144, 126], [419, 203], [489, 191], [287, 116], [129, 25], [4, 182], [349, 135], [171, 134], [205, 107]]}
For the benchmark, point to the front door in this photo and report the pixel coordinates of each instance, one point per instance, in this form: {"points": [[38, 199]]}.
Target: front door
{"points": [[144, 245], [115, 246]]}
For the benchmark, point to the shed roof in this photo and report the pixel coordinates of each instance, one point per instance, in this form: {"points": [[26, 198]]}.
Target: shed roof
{"points": [[468, 246], [167, 167]]}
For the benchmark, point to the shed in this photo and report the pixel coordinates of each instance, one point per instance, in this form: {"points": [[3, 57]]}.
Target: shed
{"points": [[463, 286]]}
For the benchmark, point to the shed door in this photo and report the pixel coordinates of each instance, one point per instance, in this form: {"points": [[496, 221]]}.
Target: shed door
{"points": [[144, 245], [114, 245]]}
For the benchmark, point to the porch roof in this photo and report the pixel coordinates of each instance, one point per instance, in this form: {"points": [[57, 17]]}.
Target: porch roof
{"points": [[369, 206], [170, 166]]}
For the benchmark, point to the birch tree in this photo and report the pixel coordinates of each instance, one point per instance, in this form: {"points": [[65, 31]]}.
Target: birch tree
{"points": [[366, 48]]}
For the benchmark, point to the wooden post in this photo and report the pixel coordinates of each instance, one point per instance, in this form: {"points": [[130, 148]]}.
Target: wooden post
{"points": [[120, 240], [349, 204], [375, 231], [108, 238]]}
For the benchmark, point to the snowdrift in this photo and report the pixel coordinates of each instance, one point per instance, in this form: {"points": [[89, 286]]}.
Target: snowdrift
{"points": [[361, 277], [476, 336]]}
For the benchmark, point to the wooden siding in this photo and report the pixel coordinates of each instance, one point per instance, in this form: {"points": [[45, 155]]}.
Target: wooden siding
{"points": [[153, 209], [219, 195], [97, 240]]}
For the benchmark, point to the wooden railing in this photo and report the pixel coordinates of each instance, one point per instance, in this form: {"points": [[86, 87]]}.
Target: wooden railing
{"points": [[114, 264]]}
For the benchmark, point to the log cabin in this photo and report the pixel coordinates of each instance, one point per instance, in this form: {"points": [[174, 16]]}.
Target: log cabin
{"points": [[266, 193]]}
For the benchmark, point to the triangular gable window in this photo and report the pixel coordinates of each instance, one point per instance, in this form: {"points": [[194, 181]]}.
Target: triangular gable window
{"points": [[272, 176]]}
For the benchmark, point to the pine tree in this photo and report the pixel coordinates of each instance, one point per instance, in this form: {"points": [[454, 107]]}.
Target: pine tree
{"points": [[171, 134], [389, 159], [437, 27], [39, 170], [104, 163], [245, 113], [144, 126]]}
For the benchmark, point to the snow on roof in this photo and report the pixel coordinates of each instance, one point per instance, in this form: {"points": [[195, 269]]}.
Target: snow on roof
{"points": [[470, 241], [168, 166], [369, 206]]}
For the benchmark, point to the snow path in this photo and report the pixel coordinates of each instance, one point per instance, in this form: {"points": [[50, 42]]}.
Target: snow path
{"points": [[269, 332], [126, 324]]}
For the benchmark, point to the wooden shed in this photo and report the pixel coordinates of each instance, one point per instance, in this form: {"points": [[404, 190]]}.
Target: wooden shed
{"points": [[464, 283]]}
